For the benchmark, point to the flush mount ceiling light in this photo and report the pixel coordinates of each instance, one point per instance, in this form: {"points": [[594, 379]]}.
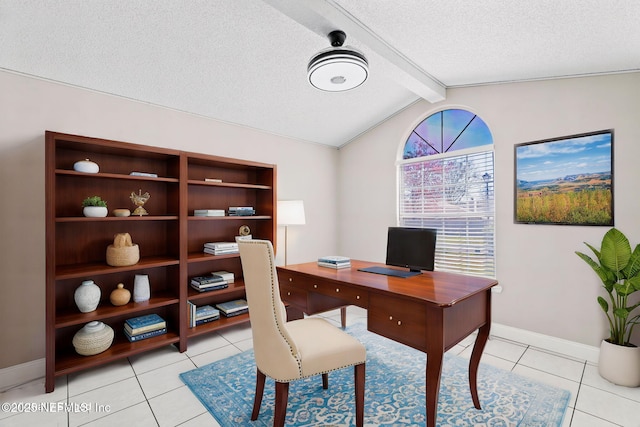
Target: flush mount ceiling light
{"points": [[338, 68]]}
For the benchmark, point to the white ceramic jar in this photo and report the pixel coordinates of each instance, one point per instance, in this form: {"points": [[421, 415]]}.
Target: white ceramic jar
{"points": [[86, 166], [87, 296]]}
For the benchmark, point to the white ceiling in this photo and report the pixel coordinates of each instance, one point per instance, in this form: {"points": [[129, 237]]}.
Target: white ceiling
{"points": [[244, 61]]}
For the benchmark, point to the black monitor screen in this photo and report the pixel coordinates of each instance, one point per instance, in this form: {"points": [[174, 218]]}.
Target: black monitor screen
{"points": [[413, 248]]}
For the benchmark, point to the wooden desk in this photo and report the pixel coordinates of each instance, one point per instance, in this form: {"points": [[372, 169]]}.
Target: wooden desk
{"points": [[430, 312]]}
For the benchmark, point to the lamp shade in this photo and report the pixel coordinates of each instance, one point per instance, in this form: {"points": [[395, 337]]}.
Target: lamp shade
{"points": [[290, 212]]}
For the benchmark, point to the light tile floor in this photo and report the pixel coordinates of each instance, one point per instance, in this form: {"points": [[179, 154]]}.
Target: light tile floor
{"points": [[145, 390]]}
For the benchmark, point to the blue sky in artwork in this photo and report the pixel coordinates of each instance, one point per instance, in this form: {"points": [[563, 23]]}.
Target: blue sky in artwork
{"points": [[570, 156]]}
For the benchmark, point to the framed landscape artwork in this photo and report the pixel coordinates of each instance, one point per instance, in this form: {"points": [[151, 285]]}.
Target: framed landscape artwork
{"points": [[566, 180]]}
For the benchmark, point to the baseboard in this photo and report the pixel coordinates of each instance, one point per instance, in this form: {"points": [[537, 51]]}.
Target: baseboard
{"points": [[21, 374], [547, 342]]}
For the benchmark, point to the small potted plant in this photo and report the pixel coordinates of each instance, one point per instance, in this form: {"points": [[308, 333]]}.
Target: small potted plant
{"points": [[619, 270], [94, 207]]}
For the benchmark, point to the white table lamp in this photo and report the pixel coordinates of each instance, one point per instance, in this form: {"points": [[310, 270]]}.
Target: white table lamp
{"points": [[290, 212]]}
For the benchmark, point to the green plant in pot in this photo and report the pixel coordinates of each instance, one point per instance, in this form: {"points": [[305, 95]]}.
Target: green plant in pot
{"points": [[618, 268], [94, 206]]}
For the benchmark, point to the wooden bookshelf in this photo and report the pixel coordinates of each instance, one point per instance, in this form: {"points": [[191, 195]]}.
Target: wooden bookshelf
{"points": [[170, 238]]}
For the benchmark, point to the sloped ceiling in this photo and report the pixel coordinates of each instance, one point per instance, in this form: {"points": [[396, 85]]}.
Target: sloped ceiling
{"points": [[244, 61]]}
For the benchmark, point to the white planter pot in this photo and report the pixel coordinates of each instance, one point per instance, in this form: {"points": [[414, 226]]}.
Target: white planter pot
{"points": [[619, 364], [94, 211]]}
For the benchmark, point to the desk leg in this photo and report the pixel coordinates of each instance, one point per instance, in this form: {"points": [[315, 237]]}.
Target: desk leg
{"points": [[476, 354], [478, 347], [434, 369], [435, 355]]}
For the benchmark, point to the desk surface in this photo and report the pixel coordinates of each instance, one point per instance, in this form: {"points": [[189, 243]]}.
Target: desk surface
{"points": [[437, 287]]}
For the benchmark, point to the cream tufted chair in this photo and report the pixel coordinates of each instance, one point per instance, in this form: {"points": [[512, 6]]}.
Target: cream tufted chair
{"points": [[289, 351]]}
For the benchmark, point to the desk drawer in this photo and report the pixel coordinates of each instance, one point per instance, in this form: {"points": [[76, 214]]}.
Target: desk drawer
{"points": [[398, 319], [349, 295], [294, 296]]}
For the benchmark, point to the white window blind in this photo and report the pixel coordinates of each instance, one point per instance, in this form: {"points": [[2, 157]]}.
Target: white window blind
{"points": [[453, 193]]}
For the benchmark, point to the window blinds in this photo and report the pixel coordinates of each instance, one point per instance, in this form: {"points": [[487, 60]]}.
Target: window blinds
{"points": [[453, 194]]}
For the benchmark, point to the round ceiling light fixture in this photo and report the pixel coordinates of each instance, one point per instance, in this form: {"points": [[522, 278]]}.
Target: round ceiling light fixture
{"points": [[338, 68]]}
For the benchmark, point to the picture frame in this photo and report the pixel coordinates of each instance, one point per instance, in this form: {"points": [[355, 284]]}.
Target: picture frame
{"points": [[566, 180]]}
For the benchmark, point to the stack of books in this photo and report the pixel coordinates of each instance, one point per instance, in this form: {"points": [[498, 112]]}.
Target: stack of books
{"points": [[221, 248], [201, 315], [233, 308], [241, 211], [334, 261], [143, 327], [208, 212], [208, 283]]}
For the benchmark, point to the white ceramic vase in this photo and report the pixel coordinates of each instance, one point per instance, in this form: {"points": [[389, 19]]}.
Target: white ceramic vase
{"points": [[141, 291], [95, 211], [86, 166], [619, 364], [87, 296]]}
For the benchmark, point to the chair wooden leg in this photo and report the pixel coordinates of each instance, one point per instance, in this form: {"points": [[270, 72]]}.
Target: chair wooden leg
{"points": [[280, 410], [359, 376], [257, 400], [325, 381]]}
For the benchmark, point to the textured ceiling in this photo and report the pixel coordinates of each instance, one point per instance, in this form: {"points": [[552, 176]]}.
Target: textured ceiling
{"points": [[244, 61]]}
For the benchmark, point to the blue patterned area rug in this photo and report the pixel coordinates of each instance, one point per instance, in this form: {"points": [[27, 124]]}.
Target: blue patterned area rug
{"points": [[394, 396]]}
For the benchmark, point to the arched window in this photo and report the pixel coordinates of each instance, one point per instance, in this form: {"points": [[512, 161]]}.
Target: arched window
{"points": [[446, 183]]}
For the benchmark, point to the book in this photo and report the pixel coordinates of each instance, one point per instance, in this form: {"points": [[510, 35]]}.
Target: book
{"points": [[208, 320], [145, 174], [206, 311], [221, 245], [143, 329], [191, 314], [241, 210], [213, 180], [211, 287], [233, 308], [235, 313], [144, 335], [148, 322], [208, 212], [334, 266], [226, 275], [221, 251], [335, 259], [205, 280]]}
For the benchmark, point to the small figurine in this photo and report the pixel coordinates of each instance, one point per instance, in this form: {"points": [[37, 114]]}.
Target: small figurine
{"points": [[139, 200]]}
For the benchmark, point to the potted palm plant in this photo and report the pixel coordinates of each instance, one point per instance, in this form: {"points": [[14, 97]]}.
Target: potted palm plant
{"points": [[618, 267]]}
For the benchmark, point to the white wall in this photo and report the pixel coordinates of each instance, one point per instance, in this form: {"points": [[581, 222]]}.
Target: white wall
{"points": [[547, 288], [30, 106]]}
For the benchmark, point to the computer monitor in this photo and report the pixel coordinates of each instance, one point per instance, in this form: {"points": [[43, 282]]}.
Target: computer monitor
{"points": [[413, 248]]}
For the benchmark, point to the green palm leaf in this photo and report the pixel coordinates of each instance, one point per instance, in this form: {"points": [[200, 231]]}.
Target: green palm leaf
{"points": [[615, 251]]}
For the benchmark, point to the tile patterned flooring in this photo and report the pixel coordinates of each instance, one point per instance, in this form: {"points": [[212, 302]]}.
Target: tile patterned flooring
{"points": [[145, 390]]}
